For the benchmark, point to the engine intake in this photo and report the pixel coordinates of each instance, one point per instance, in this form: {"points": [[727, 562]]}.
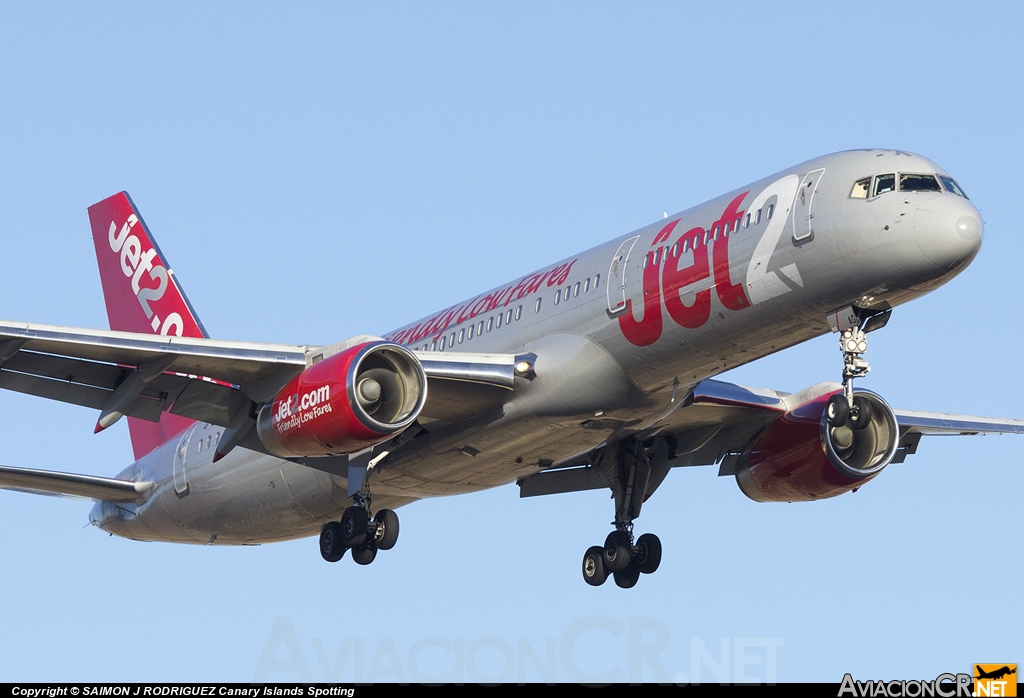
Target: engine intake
{"points": [[354, 399], [800, 457]]}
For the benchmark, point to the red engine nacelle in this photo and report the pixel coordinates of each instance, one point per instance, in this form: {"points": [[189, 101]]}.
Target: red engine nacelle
{"points": [[799, 457], [345, 403]]}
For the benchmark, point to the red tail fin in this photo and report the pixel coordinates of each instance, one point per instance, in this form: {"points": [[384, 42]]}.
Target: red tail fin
{"points": [[142, 295]]}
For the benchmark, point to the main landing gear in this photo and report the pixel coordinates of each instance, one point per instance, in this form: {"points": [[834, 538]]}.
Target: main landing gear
{"points": [[632, 471], [624, 560], [360, 533]]}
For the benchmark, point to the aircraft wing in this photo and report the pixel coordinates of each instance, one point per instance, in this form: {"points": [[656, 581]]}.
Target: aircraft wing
{"points": [[743, 412], [718, 420], [211, 380], [73, 485]]}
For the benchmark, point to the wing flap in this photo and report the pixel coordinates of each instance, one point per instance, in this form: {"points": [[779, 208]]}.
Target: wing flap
{"points": [[73, 485]]}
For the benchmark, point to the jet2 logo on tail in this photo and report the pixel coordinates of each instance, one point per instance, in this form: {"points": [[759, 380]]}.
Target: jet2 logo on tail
{"points": [[134, 263], [666, 274]]}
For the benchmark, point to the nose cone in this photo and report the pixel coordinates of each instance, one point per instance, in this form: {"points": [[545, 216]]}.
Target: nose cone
{"points": [[948, 230]]}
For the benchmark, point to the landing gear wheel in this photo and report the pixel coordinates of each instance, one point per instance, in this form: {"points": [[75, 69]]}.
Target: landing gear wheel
{"points": [[331, 546], [627, 578], [386, 535], [617, 551], [860, 415], [354, 524], [648, 553], [837, 411], [594, 572], [364, 554]]}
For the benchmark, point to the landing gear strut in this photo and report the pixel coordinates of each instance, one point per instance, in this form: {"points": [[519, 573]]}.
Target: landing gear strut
{"points": [[632, 472]]}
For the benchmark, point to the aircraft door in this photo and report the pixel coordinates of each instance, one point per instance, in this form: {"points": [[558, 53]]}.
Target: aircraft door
{"points": [[617, 277], [803, 213], [180, 458]]}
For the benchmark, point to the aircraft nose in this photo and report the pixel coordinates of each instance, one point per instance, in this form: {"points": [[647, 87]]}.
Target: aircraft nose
{"points": [[948, 231]]}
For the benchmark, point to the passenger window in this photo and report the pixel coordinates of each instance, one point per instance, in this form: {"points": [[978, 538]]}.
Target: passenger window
{"points": [[757, 217], [647, 258], [884, 183], [576, 289], [471, 329], [860, 188], [686, 245], [451, 340], [433, 345], [586, 284], [952, 186], [918, 182], [497, 320], [480, 328], [508, 318], [747, 223], [519, 312], [462, 335], [490, 323], [441, 346], [536, 307], [714, 234], [771, 210], [597, 281], [558, 296]]}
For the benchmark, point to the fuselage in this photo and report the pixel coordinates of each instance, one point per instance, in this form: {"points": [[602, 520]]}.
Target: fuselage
{"points": [[619, 331]]}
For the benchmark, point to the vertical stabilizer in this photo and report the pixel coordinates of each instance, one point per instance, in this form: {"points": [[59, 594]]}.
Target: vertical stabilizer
{"points": [[141, 294]]}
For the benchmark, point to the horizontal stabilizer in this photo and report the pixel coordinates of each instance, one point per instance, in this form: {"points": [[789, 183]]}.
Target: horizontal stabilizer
{"points": [[73, 485]]}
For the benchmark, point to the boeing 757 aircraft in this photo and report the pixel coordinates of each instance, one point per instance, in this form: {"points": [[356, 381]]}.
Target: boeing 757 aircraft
{"points": [[595, 372]]}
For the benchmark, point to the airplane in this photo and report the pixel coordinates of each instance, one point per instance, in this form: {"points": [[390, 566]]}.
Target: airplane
{"points": [[995, 674], [595, 372]]}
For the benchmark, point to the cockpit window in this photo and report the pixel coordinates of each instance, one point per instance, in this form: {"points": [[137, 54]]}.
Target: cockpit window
{"points": [[918, 182], [952, 186], [884, 183], [860, 188]]}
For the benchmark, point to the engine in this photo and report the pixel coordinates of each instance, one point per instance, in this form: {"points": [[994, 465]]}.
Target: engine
{"points": [[346, 402], [800, 457]]}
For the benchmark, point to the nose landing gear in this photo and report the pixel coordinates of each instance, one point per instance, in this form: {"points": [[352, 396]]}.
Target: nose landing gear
{"points": [[845, 409]]}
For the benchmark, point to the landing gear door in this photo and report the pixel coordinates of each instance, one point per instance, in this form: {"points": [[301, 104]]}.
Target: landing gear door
{"points": [[180, 458], [617, 277], [803, 211]]}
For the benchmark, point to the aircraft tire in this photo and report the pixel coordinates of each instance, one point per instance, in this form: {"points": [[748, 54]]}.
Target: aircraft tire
{"points": [[594, 572], [617, 553], [837, 411], [331, 547], [354, 523], [387, 529], [648, 553], [364, 554], [860, 417], [628, 577]]}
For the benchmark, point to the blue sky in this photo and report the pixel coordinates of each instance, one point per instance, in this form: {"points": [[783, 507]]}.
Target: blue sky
{"points": [[321, 171]]}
